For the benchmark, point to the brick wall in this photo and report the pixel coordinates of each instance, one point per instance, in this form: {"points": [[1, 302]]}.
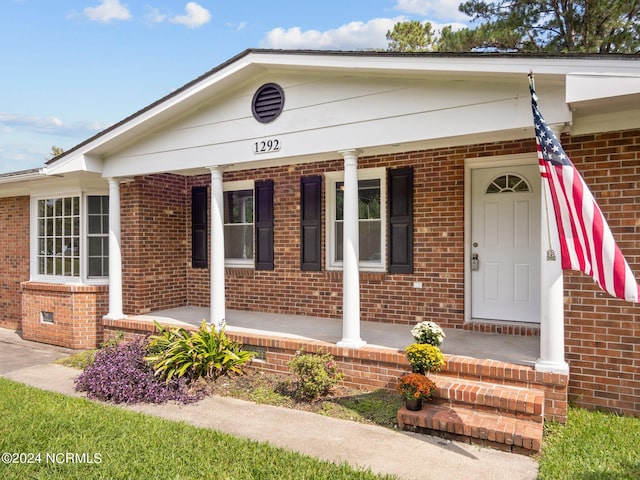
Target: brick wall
{"points": [[156, 244], [77, 313], [438, 238], [602, 333], [14, 257]]}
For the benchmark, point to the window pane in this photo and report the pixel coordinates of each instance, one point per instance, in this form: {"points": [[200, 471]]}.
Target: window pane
{"points": [[339, 200], [238, 241], [238, 206], [369, 214], [94, 205], [57, 207], [369, 199], [95, 267], [370, 243], [95, 224], [98, 235]]}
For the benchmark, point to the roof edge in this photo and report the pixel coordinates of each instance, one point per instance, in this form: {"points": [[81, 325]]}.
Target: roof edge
{"points": [[334, 53]]}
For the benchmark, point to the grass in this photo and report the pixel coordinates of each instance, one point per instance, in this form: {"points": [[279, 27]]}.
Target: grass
{"points": [[133, 445], [591, 446]]}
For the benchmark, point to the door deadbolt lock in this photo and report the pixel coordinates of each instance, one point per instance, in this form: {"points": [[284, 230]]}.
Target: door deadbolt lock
{"points": [[475, 262]]}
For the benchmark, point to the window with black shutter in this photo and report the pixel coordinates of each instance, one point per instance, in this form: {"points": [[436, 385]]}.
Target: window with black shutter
{"points": [[263, 192], [199, 215], [310, 223], [400, 185]]}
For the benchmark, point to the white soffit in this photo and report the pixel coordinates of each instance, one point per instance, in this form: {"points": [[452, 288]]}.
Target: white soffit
{"points": [[585, 87]]}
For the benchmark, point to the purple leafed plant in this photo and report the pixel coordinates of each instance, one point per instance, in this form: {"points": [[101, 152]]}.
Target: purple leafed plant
{"points": [[120, 374]]}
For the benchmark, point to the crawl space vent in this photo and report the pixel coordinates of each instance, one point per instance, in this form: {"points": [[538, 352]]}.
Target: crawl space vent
{"points": [[267, 103]]}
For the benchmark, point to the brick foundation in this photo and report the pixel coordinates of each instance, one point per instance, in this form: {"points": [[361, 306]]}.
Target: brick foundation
{"points": [[370, 368], [77, 314]]}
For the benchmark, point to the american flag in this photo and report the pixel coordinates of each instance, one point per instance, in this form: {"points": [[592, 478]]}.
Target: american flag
{"points": [[586, 243]]}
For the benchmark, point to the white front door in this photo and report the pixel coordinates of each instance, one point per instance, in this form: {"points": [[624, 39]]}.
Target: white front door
{"points": [[505, 243]]}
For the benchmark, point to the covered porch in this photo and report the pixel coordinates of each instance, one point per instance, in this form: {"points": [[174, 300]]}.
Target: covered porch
{"points": [[489, 392], [515, 349]]}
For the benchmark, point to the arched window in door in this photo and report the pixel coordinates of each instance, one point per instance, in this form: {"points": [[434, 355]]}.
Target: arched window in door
{"points": [[508, 183]]}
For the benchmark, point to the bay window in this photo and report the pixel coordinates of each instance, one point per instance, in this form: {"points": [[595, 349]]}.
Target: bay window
{"points": [[71, 238]]}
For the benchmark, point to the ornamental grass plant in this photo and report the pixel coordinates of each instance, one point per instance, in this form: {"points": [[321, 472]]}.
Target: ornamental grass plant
{"points": [[205, 353]]}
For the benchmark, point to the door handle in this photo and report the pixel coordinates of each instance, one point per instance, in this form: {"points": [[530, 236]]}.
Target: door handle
{"points": [[475, 262]]}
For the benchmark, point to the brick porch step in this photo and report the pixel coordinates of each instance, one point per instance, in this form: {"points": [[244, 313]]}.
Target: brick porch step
{"points": [[463, 423], [500, 416], [513, 401]]}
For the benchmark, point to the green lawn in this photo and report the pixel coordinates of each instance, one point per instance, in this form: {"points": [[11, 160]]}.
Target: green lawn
{"points": [[592, 446], [109, 442]]}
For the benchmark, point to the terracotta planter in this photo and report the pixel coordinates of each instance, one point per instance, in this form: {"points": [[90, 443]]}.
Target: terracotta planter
{"points": [[414, 404]]}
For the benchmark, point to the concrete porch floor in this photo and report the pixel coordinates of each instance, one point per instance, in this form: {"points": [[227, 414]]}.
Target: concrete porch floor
{"points": [[520, 350]]}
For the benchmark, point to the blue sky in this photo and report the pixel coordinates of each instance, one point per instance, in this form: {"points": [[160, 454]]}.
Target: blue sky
{"points": [[71, 68]]}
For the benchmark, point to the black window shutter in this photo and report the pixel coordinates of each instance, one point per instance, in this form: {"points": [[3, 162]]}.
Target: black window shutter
{"points": [[263, 191], [400, 185], [199, 216], [310, 223]]}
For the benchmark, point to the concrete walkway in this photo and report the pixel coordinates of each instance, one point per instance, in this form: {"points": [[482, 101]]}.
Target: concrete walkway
{"points": [[384, 451]]}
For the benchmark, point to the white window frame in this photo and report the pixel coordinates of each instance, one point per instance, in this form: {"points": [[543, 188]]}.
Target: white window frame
{"points": [[230, 187], [331, 179], [82, 278]]}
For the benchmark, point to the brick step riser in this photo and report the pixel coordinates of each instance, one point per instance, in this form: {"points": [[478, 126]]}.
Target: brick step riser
{"points": [[508, 400], [490, 429]]}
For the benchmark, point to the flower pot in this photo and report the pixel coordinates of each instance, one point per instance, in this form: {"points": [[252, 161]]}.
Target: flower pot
{"points": [[414, 404]]}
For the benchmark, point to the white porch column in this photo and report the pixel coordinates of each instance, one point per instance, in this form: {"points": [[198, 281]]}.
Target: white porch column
{"points": [[216, 267], [551, 291], [351, 255], [115, 252]]}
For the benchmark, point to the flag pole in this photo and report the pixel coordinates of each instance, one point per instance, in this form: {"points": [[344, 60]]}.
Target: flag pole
{"points": [[551, 254]]}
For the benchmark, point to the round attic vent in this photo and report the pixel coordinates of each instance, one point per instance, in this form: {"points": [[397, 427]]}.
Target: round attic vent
{"points": [[268, 102]]}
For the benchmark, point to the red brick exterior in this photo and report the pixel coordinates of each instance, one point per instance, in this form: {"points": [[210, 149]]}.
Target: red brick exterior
{"points": [[14, 257], [77, 313], [602, 334], [156, 244]]}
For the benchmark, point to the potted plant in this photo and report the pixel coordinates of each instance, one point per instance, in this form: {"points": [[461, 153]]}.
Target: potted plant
{"points": [[429, 333], [414, 388], [425, 358]]}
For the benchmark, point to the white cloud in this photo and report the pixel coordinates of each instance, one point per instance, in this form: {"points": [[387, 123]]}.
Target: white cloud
{"points": [[442, 10], [196, 16], [47, 125], [155, 16], [351, 36], [107, 11]]}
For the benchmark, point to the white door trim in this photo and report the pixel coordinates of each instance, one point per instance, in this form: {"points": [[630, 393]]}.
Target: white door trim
{"points": [[469, 165]]}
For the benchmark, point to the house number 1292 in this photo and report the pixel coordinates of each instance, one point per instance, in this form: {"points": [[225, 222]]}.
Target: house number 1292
{"points": [[266, 146]]}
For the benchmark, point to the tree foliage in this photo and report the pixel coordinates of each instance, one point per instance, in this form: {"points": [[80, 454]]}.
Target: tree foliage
{"points": [[560, 26], [411, 36]]}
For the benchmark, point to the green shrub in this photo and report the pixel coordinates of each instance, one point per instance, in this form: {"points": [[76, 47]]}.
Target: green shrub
{"points": [[315, 374], [204, 353]]}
